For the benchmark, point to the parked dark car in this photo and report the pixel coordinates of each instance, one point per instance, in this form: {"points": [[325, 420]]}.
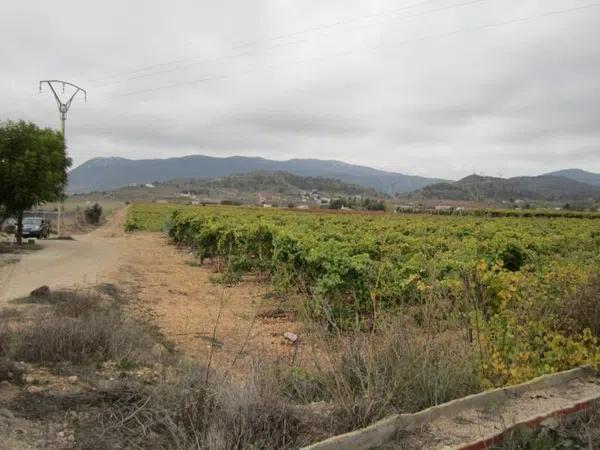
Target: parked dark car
{"points": [[36, 227], [8, 226]]}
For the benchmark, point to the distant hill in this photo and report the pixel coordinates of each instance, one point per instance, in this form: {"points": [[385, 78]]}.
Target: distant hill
{"points": [[242, 187], [279, 182], [578, 175], [100, 174], [544, 187]]}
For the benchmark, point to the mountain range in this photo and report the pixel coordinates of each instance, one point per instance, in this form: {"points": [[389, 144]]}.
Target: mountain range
{"points": [[102, 174], [552, 188], [578, 175]]}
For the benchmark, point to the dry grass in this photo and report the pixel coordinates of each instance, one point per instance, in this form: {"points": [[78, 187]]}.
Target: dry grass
{"points": [[101, 337], [373, 376], [190, 413], [189, 407], [394, 368], [398, 369], [80, 328], [581, 309]]}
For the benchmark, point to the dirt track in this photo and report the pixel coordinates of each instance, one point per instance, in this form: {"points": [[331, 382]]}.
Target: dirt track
{"points": [[89, 259], [179, 298]]}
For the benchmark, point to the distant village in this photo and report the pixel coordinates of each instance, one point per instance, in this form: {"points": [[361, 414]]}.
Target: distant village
{"points": [[304, 200], [315, 199]]}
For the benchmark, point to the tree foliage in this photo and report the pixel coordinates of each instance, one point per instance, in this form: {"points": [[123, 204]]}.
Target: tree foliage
{"points": [[33, 167], [367, 204]]}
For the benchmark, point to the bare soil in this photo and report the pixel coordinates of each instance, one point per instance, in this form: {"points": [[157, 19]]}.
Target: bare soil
{"points": [[88, 259], [229, 325], [45, 410], [233, 326]]}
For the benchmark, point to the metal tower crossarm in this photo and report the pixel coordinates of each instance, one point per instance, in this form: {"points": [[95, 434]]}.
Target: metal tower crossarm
{"points": [[63, 107]]}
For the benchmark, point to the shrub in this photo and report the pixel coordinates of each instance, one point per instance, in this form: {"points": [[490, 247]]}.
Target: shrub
{"points": [[398, 369], [230, 202], [513, 257], [93, 214], [520, 333], [255, 416]]}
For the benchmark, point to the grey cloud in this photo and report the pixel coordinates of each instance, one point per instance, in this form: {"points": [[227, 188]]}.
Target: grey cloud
{"points": [[585, 153], [498, 99], [298, 123]]}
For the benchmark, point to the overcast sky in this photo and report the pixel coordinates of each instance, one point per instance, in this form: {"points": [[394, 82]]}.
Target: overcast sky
{"points": [[438, 88]]}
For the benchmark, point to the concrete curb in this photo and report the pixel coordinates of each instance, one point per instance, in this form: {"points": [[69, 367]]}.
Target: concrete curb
{"points": [[497, 438], [383, 431]]}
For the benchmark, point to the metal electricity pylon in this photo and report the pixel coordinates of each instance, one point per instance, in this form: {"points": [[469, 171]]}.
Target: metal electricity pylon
{"points": [[63, 108]]}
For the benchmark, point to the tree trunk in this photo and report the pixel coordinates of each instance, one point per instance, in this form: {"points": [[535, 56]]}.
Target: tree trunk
{"points": [[19, 231]]}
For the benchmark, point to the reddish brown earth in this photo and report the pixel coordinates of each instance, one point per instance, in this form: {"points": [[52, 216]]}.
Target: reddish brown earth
{"points": [[167, 288], [202, 318]]}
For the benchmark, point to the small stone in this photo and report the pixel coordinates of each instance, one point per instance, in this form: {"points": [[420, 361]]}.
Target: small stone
{"points": [[28, 379], [34, 389], [292, 337], [5, 384], [73, 379], [61, 434], [42, 291]]}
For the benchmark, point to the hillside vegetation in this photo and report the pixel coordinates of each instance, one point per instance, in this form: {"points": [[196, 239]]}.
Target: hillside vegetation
{"points": [[582, 176], [279, 182], [282, 187], [545, 187]]}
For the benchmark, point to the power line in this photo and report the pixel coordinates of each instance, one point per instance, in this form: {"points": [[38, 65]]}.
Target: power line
{"points": [[359, 27], [370, 48], [177, 69], [239, 46], [260, 41]]}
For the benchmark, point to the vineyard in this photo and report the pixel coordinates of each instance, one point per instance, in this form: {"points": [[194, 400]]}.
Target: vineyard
{"points": [[523, 291]]}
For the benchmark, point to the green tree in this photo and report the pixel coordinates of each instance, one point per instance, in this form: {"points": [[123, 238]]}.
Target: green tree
{"points": [[33, 168]]}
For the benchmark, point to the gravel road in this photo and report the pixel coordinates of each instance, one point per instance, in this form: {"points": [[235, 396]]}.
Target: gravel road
{"points": [[89, 259]]}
